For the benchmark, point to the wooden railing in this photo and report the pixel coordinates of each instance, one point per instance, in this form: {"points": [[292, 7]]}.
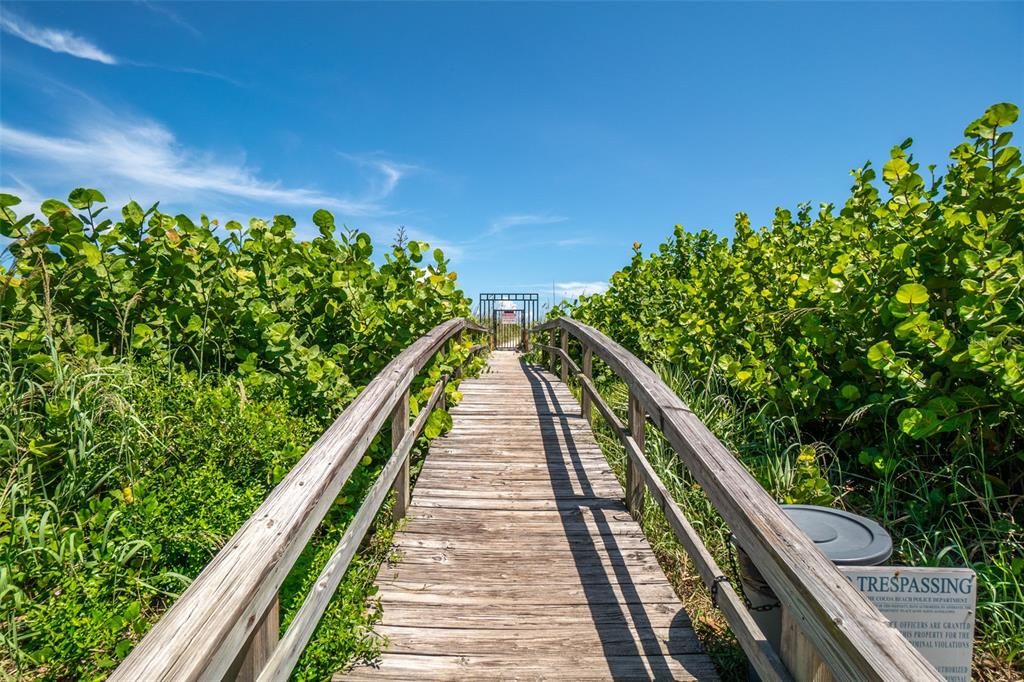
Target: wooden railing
{"points": [[855, 641], [225, 625]]}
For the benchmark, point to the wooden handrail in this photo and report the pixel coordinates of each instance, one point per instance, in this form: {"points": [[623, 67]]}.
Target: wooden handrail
{"points": [[221, 617], [753, 641], [851, 635]]}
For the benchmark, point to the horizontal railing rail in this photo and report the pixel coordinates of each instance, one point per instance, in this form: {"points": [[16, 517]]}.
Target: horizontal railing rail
{"points": [[849, 633], [225, 624]]}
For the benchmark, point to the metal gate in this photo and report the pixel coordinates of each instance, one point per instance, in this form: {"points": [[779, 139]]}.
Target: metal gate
{"points": [[510, 317], [508, 328]]}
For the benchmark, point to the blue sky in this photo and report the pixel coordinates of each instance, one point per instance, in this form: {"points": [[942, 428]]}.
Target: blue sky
{"points": [[534, 142]]}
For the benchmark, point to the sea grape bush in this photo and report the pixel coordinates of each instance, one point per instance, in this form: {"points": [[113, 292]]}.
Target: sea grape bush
{"points": [[888, 332], [319, 313], [901, 311], [158, 377]]}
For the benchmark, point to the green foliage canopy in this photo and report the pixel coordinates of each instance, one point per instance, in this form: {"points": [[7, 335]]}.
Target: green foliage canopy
{"points": [[320, 313], [903, 310]]}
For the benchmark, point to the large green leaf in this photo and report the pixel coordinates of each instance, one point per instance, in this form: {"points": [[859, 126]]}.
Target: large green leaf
{"points": [[912, 294], [438, 422]]}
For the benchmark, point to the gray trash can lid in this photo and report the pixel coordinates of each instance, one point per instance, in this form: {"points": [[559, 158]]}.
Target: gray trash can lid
{"points": [[845, 538]]}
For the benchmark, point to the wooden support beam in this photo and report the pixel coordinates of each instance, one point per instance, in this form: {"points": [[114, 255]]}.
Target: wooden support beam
{"points": [[260, 647], [399, 424], [565, 355], [588, 371], [799, 653], [551, 352], [634, 477], [458, 370]]}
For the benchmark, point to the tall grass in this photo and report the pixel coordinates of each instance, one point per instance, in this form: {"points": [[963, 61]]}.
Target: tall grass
{"points": [[120, 483]]}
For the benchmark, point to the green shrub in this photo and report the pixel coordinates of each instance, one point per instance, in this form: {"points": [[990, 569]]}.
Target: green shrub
{"points": [[905, 310], [320, 313]]}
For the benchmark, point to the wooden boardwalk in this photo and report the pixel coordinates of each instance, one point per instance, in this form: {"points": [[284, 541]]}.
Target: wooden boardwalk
{"points": [[519, 559]]}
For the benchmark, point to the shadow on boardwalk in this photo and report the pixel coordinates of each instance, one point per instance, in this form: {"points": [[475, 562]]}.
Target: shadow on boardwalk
{"points": [[629, 623]]}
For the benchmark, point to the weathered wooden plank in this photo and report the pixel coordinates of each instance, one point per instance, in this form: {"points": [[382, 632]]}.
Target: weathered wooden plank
{"points": [[406, 590], [566, 665], [612, 568], [399, 425], [461, 539], [514, 616], [455, 528], [507, 477], [567, 492], [601, 573], [518, 473], [519, 557], [613, 517], [517, 505], [617, 639]]}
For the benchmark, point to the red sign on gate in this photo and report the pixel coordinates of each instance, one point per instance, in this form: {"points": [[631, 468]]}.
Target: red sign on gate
{"points": [[508, 317]]}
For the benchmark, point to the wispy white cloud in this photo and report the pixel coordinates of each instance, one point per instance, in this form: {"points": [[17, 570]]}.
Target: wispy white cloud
{"points": [[30, 198], [144, 156], [577, 289], [508, 221], [66, 42], [564, 290], [216, 75], [574, 241], [55, 40], [466, 249], [387, 172], [174, 17]]}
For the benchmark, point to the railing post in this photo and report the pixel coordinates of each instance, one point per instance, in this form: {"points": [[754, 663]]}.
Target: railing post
{"points": [[799, 654], [258, 650], [551, 353], [457, 339], [565, 357], [634, 477], [588, 371], [399, 425]]}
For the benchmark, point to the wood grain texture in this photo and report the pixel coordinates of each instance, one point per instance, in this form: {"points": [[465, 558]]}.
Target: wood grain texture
{"points": [[257, 651], [399, 425], [565, 355], [852, 637], [588, 371], [519, 559], [634, 480], [799, 654]]}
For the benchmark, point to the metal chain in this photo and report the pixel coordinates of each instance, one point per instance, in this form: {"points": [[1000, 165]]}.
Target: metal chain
{"points": [[714, 588], [742, 593]]}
